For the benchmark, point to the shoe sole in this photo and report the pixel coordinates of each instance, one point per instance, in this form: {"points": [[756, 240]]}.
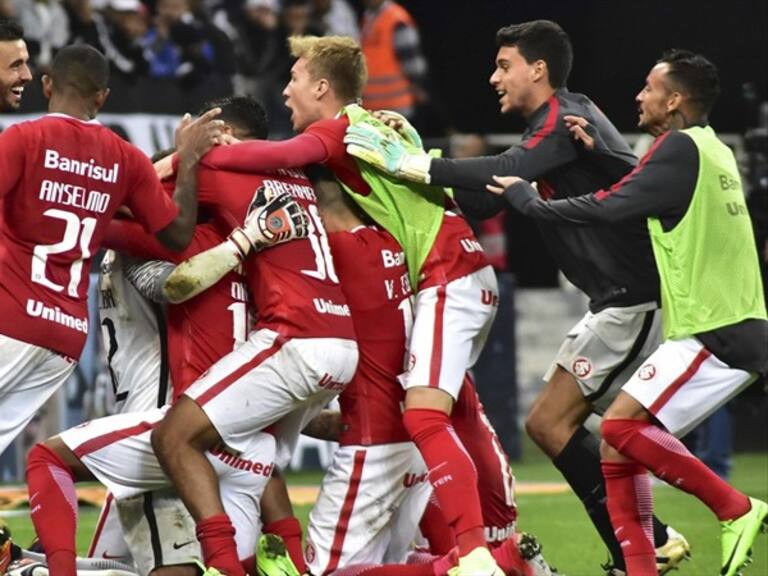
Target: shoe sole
{"points": [[672, 562]]}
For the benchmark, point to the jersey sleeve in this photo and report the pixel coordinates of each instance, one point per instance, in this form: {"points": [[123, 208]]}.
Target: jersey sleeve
{"points": [[262, 155], [549, 146], [662, 185], [11, 158], [148, 201]]}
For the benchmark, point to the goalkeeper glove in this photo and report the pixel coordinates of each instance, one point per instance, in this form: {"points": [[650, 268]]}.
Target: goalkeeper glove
{"points": [[272, 219], [400, 124], [369, 145]]}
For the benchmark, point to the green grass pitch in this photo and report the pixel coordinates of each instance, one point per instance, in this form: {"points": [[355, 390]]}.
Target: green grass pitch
{"points": [[570, 543]]}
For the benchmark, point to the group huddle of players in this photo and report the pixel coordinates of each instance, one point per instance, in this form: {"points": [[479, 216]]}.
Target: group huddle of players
{"points": [[248, 283]]}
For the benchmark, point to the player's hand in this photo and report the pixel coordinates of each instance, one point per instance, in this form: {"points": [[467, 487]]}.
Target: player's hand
{"points": [[274, 219], [195, 137], [369, 145], [503, 182], [580, 130], [399, 124]]}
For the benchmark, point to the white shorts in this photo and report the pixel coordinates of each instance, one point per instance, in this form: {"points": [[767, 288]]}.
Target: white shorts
{"points": [[369, 507], [450, 327], [29, 375], [117, 450], [160, 531], [269, 378], [108, 542], [682, 383], [604, 349]]}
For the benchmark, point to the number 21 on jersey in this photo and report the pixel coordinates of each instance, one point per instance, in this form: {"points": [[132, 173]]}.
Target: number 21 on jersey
{"points": [[77, 233]]}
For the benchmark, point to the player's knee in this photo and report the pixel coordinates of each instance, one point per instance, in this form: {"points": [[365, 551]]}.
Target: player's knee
{"points": [[617, 432], [42, 455], [162, 441], [538, 426]]}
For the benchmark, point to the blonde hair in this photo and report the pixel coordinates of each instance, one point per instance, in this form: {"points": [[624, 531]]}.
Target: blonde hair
{"points": [[338, 59]]}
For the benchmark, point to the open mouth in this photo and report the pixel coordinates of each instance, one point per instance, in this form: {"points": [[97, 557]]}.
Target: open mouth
{"points": [[17, 91]]}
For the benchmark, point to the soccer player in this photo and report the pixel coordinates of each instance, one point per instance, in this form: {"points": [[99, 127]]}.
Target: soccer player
{"points": [[117, 451], [14, 65], [688, 189], [300, 355], [62, 178], [613, 265], [455, 287]]}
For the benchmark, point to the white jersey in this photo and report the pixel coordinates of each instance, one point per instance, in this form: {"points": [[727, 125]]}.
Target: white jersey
{"points": [[134, 337]]}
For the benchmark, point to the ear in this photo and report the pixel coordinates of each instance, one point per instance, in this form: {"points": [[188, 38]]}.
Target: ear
{"points": [[47, 83], [101, 98], [539, 71], [674, 101], [321, 88]]}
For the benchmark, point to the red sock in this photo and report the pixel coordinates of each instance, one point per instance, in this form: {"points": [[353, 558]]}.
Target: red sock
{"points": [[630, 506], [451, 473], [667, 457], [435, 529], [289, 530], [217, 539], [507, 556], [53, 504]]}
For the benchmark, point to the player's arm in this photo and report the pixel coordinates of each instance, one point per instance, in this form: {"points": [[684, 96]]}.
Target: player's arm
{"points": [[661, 185], [148, 277], [547, 148], [193, 140], [325, 426], [272, 221], [262, 155]]}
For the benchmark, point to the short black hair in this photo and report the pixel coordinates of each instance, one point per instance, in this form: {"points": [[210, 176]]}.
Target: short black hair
{"points": [[541, 40], [10, 30], [245, 112], [694, 75], [82, 68]]}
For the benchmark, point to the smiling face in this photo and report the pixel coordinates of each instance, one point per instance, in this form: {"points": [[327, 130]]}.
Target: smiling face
{"points": [[301, 96], [656, 101], [513, 80], [14, 73]]}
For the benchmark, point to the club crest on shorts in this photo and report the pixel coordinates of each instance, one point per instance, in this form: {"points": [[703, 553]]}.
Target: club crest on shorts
{"points": [[309, 552], [646, 371], [581, 367]]}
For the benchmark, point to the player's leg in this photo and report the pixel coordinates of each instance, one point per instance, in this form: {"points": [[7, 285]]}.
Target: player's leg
{"points": [[52, 470], [279, 519], [107, 541], [451, 322], [599, 354], [678, 387], [29, 375], [180, 442]]}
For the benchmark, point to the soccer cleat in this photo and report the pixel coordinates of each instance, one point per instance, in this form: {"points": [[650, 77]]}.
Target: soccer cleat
{"points": [[479, 562], [530, 551], [211, 571], [737, 536], [675, 550], [26, 567], [272, 558], [5, 547]]}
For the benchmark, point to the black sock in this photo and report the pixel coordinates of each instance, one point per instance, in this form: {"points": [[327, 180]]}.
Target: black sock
{"points": [[579, 462], [659, 533]]}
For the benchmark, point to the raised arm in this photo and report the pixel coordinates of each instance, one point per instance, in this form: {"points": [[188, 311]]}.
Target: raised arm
{"points": [[263, 155], [274, 220], [661, 185]]}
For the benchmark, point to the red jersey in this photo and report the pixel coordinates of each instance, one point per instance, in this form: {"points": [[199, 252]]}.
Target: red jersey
{"points": [[455, 253], [61, 181], [371, 267], [205, 328], [294, 286]]}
